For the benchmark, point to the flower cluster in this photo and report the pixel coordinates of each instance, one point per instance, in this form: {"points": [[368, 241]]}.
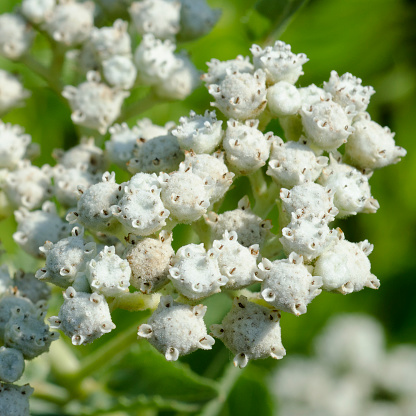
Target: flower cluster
{"points": [[351, 373], [108, 243]]}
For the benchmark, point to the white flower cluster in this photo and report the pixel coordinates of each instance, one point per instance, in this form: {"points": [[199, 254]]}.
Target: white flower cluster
{"points": [[351, 374], [120, 248]]}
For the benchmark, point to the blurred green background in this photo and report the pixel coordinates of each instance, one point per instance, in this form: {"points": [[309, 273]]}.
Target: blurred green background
{"points": [[372, 39]]}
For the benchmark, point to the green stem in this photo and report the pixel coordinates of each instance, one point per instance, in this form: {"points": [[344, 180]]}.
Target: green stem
{"points": [[135, 301], [117, 346], [227, 383], [264, 195], [139, 107], [50, 392], [204, 232], [43, 72]]}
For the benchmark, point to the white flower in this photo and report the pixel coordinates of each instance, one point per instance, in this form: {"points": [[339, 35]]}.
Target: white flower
{"points": [[250, 228], [327, 124], [195, 272], [251, 332], [36, 227], [28, 333], [185, 194], [94, 205], [218, 70], [294, 163], [93, 103], [15, 36], [279, 62], [11, 92], [13, 145], [37, 11], [140, 209], [150, 260], [202, 134], [120, 72], [211, 166], [352, 192], [160, 154], [372, 146], [288, 284], [175, 329], [71, 22], [240, 95], [345, 267], [236, 262], [347, 90], [83, 317], [65, 259], [246, 148], [158, 17], [108, 274]]}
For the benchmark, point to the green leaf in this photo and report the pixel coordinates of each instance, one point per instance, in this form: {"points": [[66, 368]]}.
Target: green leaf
{"points": [[278, 10], [250, 395], [145, 372]]}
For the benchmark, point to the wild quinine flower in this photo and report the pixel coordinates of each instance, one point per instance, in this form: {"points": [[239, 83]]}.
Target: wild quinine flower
{"points": [[83, 317], [283, 99], [241, 96], [36, 227], [84, 154], [93, 103], [37, 11], [108, 274], [236, 262], [279, 62], [309, 198], [250, 228], [345, 268], [65, 259], [140, 208], [15, 35], [347, 90], [121, 245], [246, 148], [160, 154], [12, 92], [195, 272], [175, 329], [71, 22], [201, 134], [352, 192], [13, 144], [218, 70], [294, 163], [185, 194], [372, 146], [155, 60], [28, 186], [288, 284], [150, 260], [94, 204], [251, 332], [158, 17], [211, 166]]}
